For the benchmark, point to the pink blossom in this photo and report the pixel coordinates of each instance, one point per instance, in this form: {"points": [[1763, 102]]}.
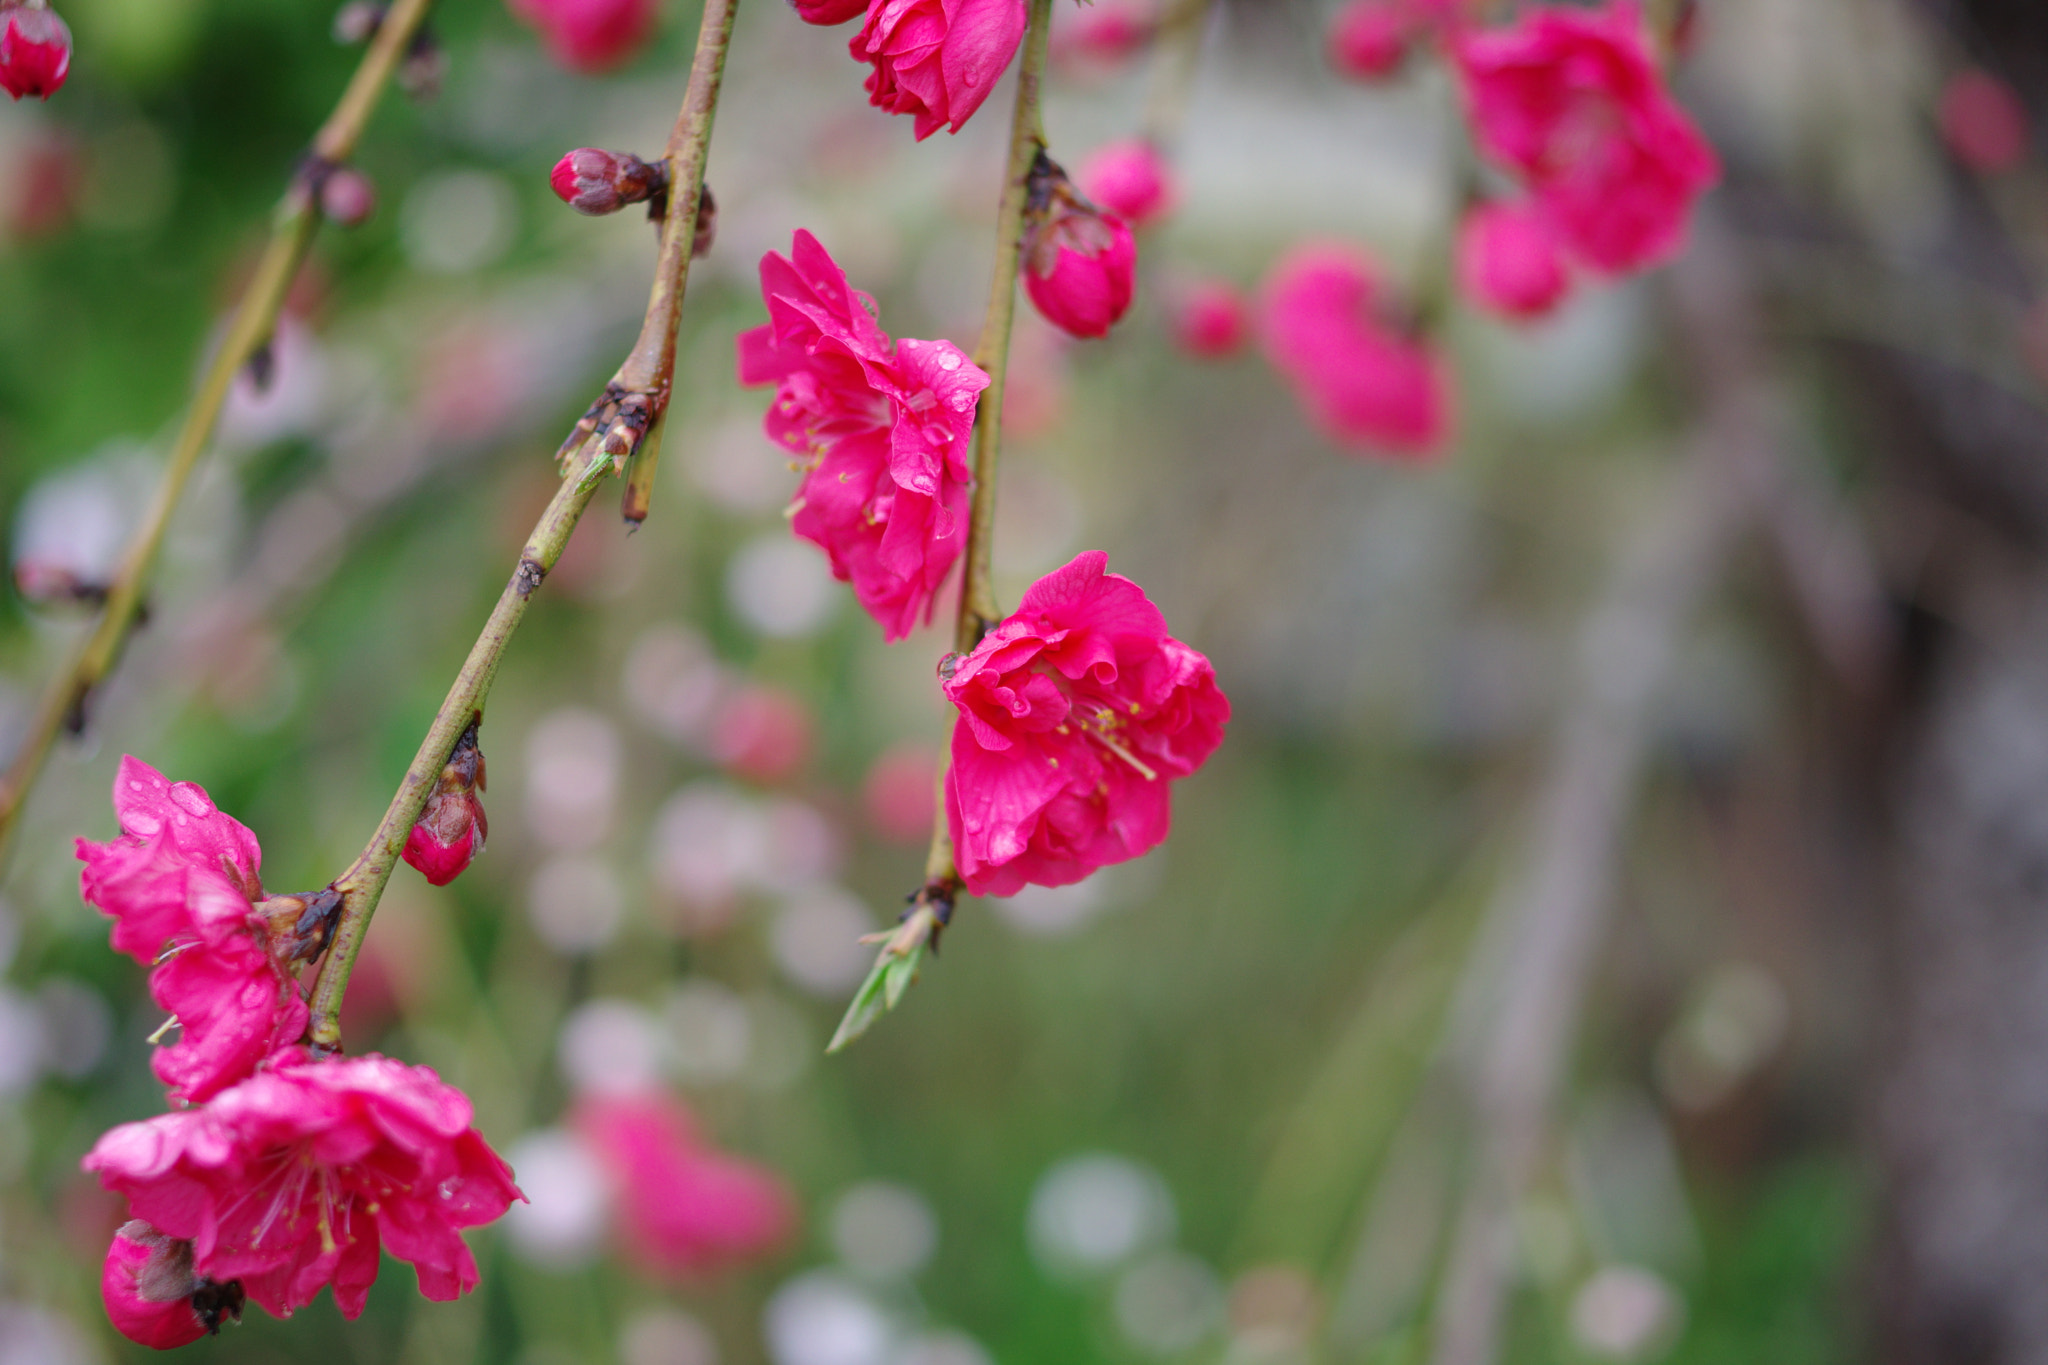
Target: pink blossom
{"points": [[35, 50], [1076, 716], [683, 1209], [1208, 320], [900, 793], [1080, 267], [828, 12], [452, 826], [1369, 39], [589, 35], [1509, 260], [761, 733], [295, 1178], [1983, 121], [1333, 327], [1101, 36], [182, 883], [884, 429], [937, 60], [1129, 178], [153, 1297], [1572, 101]]}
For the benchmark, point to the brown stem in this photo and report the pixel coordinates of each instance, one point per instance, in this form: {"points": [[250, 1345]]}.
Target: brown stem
{"points": [[255, 319], [635, 400]]}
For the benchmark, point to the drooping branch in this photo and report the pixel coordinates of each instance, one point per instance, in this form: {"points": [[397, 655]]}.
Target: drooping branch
{"points": [[632, 405], [64, 702]]}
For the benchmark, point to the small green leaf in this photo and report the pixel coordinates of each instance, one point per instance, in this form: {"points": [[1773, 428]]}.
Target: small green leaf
{"points": [[868, 1005], [898, 975]]}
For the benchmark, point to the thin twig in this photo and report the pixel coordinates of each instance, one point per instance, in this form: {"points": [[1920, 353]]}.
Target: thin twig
{"points": [[298, 219], [635, 401]]}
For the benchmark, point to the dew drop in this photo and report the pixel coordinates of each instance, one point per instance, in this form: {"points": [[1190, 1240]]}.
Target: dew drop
{"points": [[949, 361]]}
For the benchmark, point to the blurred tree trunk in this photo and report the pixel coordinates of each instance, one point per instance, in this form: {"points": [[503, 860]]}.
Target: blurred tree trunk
{"points": [[1962, 1273]]}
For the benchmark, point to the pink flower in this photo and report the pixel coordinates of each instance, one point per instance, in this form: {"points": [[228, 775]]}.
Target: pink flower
{"points": [[937, 60], [295, 1178], [1983, 121], [1129, 178], [35, 49], [828, 12], [761, 733], [452, 826], [1509, 261], [1101, 36], [683, 1209], [1369, 39], [185, 874], [885, 430], [152, 1295], [1334, 329], [900, 793], [1208, 319], [589, 35], [1076, 715], [1572, 101], [1080, 267]]}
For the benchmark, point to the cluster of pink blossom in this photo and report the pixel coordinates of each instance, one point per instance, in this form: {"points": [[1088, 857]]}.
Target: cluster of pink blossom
{"points": [[279, 1172]]}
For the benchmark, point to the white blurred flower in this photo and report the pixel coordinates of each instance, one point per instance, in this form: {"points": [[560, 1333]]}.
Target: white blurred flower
{"points": [[36, 1336], [21, 1042], [823, 1318], [610, 1045], [816, 939], [292, 400], [673, 681], [458, 221], [739, 468], [75, 522], [1091, 1213], [573, 757], [562, 1223], [76, 1026], [781, 586], [710, 842], [804, 846], [575, 903], [1051, 910], [1624, 1312], [1168, 1302], [710, 1032], [883, 1231], [666, 1336]]}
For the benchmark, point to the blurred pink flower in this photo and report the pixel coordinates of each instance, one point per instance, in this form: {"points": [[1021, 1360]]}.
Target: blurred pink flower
{"points": [[1101, 36], [294, 1179], [1509, 261], [1983, 121], [937, 60], [683, 1209], [1076, 716], [885, 430], [1129, 178], [589, 35], [153, 1297], [1334, 329], [761, 733], [901, 792], [186, 874], [1369, 39], [35, 49], [1207, 319], [1572, 100], [1080, 268], [828, 12]]}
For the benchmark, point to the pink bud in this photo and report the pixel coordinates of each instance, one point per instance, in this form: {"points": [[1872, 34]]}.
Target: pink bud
{"points": [[1130, 178], [828, 12], [1509, 261], [346, 197], [154, 1298], [1369, 39], [1080, 267], [589, 35], [1104, 35], [452, 828], [35, 50], [1983, 122], [1209, 320], [598, 182]]}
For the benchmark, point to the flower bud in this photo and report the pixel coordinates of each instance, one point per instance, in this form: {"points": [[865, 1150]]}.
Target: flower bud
{"points": [[35, 49], [1509, 260], [346, 197], [1080, 264], [425, 66], [300, 925], [597, 182], [1369, 39], [152, 1294], [357, 20], [828, 12], [1129, 178], [1983, 122], [452, 828], [1208, 320]]}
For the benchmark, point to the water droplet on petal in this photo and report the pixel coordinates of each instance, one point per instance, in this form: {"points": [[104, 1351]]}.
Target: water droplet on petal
{"points": [[950, 361]]}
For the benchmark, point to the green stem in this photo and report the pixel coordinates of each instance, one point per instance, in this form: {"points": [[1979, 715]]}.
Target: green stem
{"points": [[255, 320], [645, 378]]}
